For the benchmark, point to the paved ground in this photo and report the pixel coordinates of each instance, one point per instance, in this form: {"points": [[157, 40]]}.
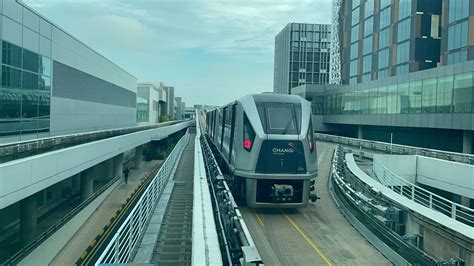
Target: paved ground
{"points": [[82, 238], [315, 235]]}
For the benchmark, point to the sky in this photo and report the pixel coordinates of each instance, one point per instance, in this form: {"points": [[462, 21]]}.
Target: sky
{"points": [[211, 51]]}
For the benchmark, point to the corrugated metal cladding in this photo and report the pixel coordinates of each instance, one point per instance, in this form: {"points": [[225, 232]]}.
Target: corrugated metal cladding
{"points": [[71, 83]]}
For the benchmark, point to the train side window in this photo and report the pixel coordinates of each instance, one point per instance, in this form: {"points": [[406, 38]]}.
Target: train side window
{"points": [[249, 134]]}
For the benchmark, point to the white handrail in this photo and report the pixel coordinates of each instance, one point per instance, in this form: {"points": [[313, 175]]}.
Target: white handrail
{"points": [[422, 196], [120, 248]]}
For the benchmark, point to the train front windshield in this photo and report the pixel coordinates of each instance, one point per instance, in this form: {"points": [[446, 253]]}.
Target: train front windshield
{"points": [[280, 118]]}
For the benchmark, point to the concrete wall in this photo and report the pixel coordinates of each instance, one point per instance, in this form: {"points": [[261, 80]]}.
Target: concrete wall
{"points": [[403, 165], [24, 177], [453, 177]]}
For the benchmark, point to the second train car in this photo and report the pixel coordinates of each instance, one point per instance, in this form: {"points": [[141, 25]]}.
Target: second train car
{"points": [[268, 145]]}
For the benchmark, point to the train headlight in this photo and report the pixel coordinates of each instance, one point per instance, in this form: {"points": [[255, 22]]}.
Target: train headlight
{"points": [[249, 134]]}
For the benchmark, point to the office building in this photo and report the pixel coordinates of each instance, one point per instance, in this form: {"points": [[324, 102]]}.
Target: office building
{"points": [[422, 95], [383, 38], [53, 84], [151, 103], [301, 56], [170, 109]]}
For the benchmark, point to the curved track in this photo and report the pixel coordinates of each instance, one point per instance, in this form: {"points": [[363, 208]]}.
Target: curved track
{"points": [[316, 235]]}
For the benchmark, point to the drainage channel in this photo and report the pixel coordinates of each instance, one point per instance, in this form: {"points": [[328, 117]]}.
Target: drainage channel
{"points": [[174, 240]]}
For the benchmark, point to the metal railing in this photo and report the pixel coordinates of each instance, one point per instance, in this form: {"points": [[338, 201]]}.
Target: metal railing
{"points": [[122, 244], [22, 149], [397, 149], [422, 196]]}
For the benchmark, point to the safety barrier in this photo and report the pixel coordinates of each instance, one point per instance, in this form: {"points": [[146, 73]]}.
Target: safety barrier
{"points": [[122, 244], [422, 196], [397, 149]]}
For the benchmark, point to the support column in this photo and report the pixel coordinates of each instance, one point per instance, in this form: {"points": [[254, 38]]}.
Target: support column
{"points": [[76, 182], [138, 156], [467, 142], [118, 165], [110, 168], [87, 183], [28, 218], [359, 132]]}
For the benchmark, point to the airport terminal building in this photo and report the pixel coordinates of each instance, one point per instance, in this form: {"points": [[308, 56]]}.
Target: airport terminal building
{"points": [[53, 84], [405, 74]]}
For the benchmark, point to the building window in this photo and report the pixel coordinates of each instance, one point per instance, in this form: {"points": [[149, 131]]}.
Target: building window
{"points": [[383, 74], [415, 96], [457, 57], [368, 26], [366, 77], [392, 100], [26, 110], [384, 56], [368, 45], [355, 16], [367, 63], [369, 8], [353, 68], [354, 50], [458, 9], [462, 93], [404, 103], [402, 70], [403, 30], [444, 99], [11, 54], [457, 35], [403, 52], [404, 9], [355, 33], [429, 95], [384, 38], [355, 3], [384, 3], [385, 17]]}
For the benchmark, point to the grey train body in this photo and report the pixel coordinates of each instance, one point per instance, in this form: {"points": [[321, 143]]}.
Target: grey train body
{"points": [[267, 142]]}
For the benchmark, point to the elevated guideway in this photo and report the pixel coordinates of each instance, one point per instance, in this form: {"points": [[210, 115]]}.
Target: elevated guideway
{"points": [[407, 223], [68, 156]]}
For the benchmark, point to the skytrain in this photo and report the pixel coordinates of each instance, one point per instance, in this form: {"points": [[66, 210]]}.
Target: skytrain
{"points": [[267, 143]]}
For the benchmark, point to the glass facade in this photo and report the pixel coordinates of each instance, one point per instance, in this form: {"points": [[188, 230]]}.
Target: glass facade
{"points": [[445, 94], [142, 109], [26, 91]]}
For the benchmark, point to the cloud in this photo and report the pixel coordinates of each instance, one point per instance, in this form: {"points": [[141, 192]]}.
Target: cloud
{"points": [[195, 45]]}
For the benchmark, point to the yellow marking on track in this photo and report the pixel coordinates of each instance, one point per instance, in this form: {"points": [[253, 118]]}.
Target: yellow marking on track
{"points": [[259, 219], [320, 253]]}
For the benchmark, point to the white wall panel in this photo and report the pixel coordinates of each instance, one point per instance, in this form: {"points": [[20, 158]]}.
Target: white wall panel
{"points": [[454, 177], [45, 46], [45, 28], [12, 31], [30, 40], [13, 10], [31, 20]]}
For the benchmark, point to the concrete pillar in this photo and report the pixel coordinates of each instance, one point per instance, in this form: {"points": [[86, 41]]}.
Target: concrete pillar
{"points": [[110, 168], [359, 132], [28, 218], [87, 183], [76, 182], [118, 165], [467, 142], [138, 156]]}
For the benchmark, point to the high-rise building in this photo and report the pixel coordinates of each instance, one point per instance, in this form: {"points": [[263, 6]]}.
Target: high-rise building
{"points": [[456, 46], [301, 56], [382, 38], [169, 98]]}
